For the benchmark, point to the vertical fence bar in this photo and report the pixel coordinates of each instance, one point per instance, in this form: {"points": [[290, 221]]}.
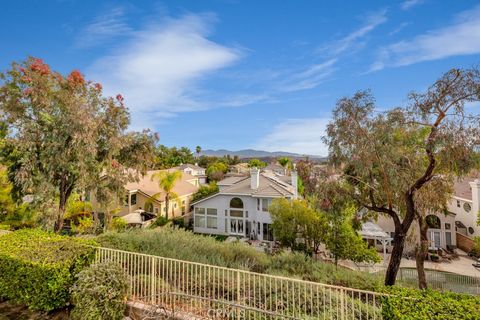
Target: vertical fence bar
{"points": [[198, 288]]}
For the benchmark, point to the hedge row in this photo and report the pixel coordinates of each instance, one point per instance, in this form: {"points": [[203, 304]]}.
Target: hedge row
{"points": [[38, 268], [413, 304]]}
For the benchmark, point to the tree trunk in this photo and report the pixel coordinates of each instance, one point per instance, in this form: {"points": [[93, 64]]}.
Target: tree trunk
{"points": [[65, 192], [421, 253], [167, 203], [60, 215], [395, 257]]}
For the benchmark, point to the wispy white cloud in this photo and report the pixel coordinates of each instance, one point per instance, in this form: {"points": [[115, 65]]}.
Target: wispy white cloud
{"points": [[104, 27], [408, 4], [303, 136], [462, 37], [355, 38], [400, 27], [310, 77], [159, 69]]}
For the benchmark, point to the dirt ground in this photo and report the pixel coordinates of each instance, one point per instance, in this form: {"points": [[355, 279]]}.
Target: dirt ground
{"points": [[10, 311]]}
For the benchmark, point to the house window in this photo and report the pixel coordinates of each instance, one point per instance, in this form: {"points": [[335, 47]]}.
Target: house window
{"points": [[448, 238], [433, 222], [470, 230], [200, 218], [236, 203], [267, 232], [258, 204], [206, 218], [133, 199], [458, 203], [467, 207], [156, 210], [265, 204], [212, 222], [126, 200], [236, 213], [199, 221], [448, 226]]}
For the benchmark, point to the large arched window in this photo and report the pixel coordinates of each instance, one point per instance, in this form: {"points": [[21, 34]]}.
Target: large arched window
{"points": [[236, 203], [433, 222]]}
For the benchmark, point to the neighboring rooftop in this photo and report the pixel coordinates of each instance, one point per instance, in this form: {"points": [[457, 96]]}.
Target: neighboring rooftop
{"points": [[191, 166], [269, 186], [462, 188], [150, 187]]}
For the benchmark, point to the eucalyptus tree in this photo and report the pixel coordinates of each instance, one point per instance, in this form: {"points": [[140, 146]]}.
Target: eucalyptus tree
{"points": [[389, 157], [66, 132]]}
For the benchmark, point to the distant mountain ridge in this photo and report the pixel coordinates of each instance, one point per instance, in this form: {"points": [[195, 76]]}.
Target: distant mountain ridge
{"points": [[251, 153]]}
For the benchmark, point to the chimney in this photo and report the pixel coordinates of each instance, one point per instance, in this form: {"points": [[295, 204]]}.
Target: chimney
{"points": [[475, 186], [294, 176], [254, 178]]}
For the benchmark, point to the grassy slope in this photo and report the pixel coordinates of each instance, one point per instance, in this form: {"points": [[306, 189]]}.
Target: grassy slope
{"points": [[184, 245]]}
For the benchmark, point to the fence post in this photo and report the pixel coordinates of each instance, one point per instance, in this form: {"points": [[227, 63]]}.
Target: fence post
{"points": [[238, 294], [153, 290], [342, 304]]}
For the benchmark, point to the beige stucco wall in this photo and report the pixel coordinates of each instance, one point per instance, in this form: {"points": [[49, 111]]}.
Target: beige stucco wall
{"points": [[386, 223], [158, 207]]}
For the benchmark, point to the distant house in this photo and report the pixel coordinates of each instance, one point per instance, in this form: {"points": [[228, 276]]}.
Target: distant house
{"points": [[240, 208], [455, 226], [240, 168], [276, 168], [140, 203], [465, 204], [194, 170]]}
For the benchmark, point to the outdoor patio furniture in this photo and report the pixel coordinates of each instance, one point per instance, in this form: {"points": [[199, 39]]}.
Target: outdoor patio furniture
{"points": [[444, 255], [476, 264]]}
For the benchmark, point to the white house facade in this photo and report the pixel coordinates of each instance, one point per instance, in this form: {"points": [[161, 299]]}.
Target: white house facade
{"points": [[194, 170], [465, 206], [241, 208], [459, 222]]}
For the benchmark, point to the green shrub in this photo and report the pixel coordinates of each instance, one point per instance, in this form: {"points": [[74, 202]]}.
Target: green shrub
{"points": [[476, 247], [100, 293], [38, 268], [119, 224], [179, 222], [159, 222], [300, 266], [205, 191], [185, 245], [412, 304]]}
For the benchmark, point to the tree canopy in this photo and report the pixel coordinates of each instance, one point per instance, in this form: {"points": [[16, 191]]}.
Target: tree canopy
{"points": [[166, 157], [65, 132], [388, 157]]}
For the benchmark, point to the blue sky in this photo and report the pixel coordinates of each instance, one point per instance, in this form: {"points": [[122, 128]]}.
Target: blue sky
{"points": [[245, 74]]}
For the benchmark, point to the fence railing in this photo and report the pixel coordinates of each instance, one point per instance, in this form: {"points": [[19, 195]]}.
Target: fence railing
{"points": [[223, 293], [438, 280]]}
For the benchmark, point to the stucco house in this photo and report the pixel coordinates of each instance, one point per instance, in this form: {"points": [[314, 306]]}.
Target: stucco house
{"points": [[194, 170], [240, 208], [139, 197], [458, 225]]}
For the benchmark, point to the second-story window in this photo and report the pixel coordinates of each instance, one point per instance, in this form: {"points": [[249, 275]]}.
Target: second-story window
{"points": [[133, 199], [265, 204]]}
